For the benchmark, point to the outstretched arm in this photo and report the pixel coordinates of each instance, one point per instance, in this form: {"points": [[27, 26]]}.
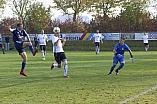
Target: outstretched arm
{"points": [[28, 38], [131, 53], [11, 30], [101, 40], [64, 40]]}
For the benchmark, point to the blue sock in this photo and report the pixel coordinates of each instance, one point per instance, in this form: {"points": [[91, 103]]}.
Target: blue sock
{"points": [[120, 66], [3, 50], [112, 68], [23, 65], [31, 48]]}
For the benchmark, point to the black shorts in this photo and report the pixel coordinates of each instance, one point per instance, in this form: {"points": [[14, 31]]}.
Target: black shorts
{"points": [[43, 47], [146, 44], [59, 57], [97, 44]]}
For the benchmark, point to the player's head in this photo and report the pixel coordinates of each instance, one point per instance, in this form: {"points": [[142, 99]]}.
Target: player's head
{"points": [[42, 31], [145, 33], [122, 40], [36, 35], [97, 31], [19, 26]]}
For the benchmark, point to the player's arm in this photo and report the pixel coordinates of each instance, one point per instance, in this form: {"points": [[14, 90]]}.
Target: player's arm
{"points": [[115, 52], [64, 40], [131, 55], [57, 42], [101, 40], [11, 30], [93, 39], [28, 38]]}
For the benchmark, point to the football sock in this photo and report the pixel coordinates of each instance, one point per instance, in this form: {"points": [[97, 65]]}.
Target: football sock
{"points": [[55, 65], [95, 49], [98, 50], [31, 48], [112, 68], [43, 54], [23, 65], [3, 50], [65, 70], [120, 66]]}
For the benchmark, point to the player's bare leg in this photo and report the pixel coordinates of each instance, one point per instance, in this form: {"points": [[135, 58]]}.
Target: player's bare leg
{"points": [[24, 56], [146, 48], [96, 49], [29, 44], [43, 55], [65, 68]]}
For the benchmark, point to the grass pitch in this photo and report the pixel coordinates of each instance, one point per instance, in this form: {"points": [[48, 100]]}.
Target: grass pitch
{"points": [[88, 82]]}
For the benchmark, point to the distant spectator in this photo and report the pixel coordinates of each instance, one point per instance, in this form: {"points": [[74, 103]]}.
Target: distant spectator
{"points": [[7, 43], [1, 44]]}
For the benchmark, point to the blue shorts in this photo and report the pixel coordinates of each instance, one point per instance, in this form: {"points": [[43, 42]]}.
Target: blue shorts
{"points": [[117, 59], [19, 47], [1, 45]]}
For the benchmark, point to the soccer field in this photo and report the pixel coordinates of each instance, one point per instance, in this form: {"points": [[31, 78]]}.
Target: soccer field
{"points": [[88, 82]]}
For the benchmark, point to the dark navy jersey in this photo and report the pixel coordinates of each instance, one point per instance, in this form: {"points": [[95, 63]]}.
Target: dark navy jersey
{"points": [[17, 35], [121, 48], [0, 39], [35, 39]]}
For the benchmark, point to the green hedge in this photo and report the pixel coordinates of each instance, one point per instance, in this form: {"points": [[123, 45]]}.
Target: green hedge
{"points": [[108, 45]]}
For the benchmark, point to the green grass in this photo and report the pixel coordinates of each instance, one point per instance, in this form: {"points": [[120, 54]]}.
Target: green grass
{"points": [[88, 82]]}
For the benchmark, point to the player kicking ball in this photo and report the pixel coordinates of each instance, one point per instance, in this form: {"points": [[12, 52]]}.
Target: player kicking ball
{"points": [[18, 33], [119, 55], [59, 52]]}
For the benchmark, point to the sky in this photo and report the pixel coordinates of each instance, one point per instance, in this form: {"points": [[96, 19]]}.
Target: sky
{"points": [[58, 13]]}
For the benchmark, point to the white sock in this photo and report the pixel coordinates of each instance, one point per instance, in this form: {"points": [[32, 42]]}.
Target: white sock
{"points": [[146, 48], [98, 50], [43, 54], [95, 49], [65, 68], [55, 65]]}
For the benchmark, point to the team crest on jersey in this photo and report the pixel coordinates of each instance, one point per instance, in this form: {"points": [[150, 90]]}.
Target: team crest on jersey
{"points": [[122, 48]]}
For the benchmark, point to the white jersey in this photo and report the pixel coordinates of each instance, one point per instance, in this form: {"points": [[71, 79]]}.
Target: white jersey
{"points": [[97, 37], [42, 38], [57, 48], [145, 38]]}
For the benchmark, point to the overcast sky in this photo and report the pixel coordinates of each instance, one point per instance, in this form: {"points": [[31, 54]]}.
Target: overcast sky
{"points": [[8, 12]]}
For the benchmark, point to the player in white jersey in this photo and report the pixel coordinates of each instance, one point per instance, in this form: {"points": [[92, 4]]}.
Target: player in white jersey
{"points": [[96, 38], [42, 39], [59, 52], [145, 41]]}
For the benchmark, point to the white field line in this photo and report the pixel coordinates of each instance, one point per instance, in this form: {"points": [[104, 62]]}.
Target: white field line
{"points": [[142, 93]]}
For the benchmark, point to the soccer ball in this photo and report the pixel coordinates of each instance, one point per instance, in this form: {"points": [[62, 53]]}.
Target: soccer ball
{"points": [[56, 30]]}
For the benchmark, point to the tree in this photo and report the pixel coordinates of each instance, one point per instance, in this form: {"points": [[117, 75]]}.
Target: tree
{"points": [[38, 17], [73, 7], [2, 2], [21, 7]]}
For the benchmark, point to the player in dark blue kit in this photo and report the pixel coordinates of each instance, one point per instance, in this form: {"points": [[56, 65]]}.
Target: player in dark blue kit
{"points": [[18, 33], [36, 41], [119, 55], [1, 44]]}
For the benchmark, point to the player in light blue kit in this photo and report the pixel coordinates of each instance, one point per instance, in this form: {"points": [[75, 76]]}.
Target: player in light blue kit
{"points": [[119, 55]]}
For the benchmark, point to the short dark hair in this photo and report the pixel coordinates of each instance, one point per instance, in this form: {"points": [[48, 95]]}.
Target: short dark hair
{"points": [[19, 24], [122, 38]]}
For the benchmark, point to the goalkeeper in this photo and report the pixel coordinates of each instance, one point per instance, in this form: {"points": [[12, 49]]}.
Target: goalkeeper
{"points": [[119, 55]]}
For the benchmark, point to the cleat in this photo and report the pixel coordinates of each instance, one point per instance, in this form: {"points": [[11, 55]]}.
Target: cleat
{"points": [[43, 59], [109, 73], [34, 52], [116, 72], [52, 66], [66, 77], [3, 53], [22, 73]]}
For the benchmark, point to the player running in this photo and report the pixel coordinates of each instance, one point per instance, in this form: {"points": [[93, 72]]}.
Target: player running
{"points": [[119, 55], [96, 38], [18, 33], [145, 41], [1, 44], [36, 41], [59, 52], [42, 39]]}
